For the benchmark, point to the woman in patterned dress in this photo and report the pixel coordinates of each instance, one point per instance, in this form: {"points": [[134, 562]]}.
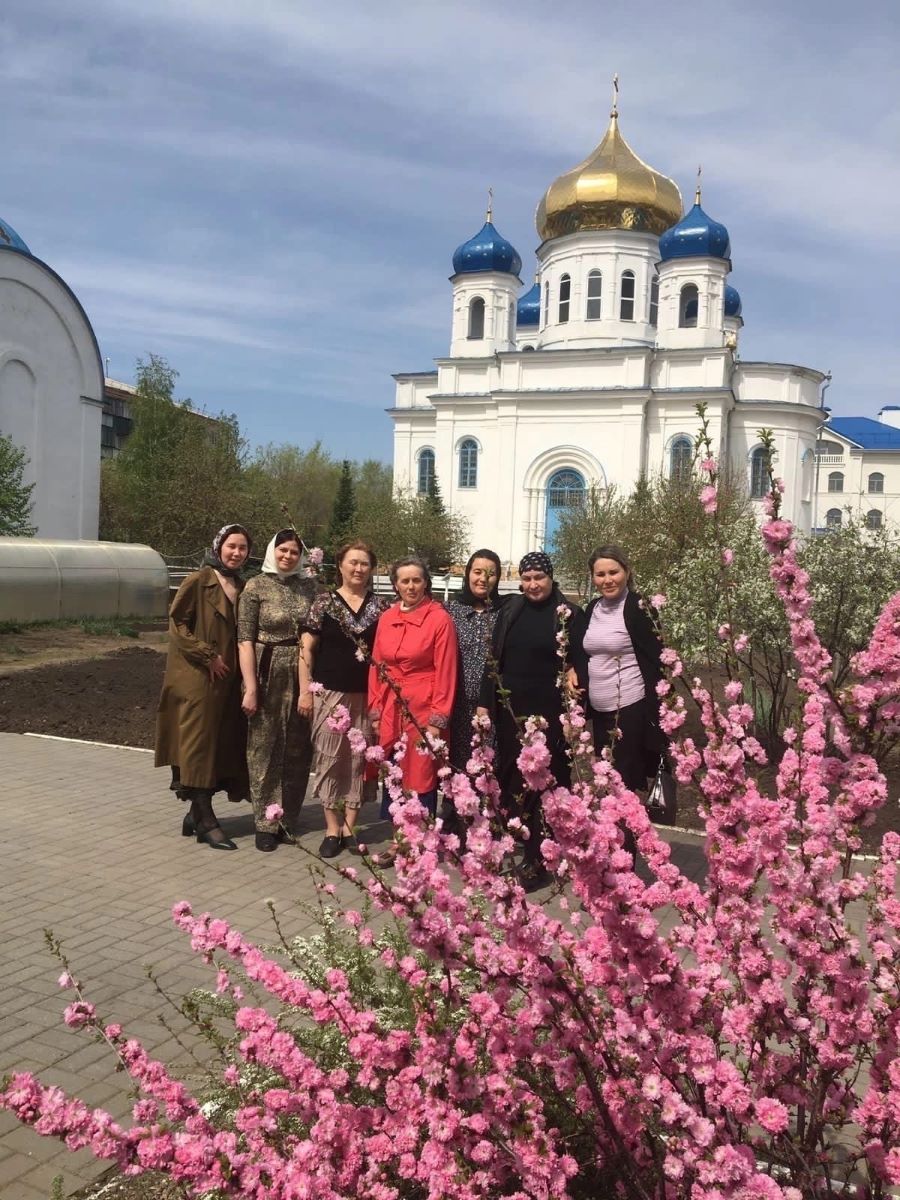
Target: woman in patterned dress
{"points": [[279, 752], [473, 614], [337, 634]]}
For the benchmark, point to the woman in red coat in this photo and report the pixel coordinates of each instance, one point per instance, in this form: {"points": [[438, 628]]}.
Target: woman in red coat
{"points": [[416, 643]]}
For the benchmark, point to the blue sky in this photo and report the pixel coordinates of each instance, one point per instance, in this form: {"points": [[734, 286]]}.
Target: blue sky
{"points": [[269, 194]]}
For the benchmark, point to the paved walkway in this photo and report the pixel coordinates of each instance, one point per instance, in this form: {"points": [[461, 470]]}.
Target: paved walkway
{"points": [[91, 850]]}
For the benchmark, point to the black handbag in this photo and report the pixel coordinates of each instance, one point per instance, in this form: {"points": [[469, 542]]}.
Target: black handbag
{"points": [[662, 799]]}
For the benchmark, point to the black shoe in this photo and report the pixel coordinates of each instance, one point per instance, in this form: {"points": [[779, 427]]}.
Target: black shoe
{"points": [[331, 847], [267, 842], [215, 839], [187, 825]]}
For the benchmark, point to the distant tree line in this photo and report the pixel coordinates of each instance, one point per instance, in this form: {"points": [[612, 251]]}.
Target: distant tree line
{"points": [[182, 474]]}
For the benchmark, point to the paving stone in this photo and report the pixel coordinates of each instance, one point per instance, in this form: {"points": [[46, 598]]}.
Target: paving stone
{"points": [[102, 866]]}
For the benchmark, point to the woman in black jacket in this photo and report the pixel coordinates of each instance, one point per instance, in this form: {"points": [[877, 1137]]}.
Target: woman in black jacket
{"points": [[622, 653], [524, 650]]}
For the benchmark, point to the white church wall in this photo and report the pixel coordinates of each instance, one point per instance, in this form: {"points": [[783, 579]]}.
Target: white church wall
{"points": [[51, 395], [611, 254]]}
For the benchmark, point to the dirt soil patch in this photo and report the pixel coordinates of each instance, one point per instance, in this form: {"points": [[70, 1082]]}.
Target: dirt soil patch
{"points": [[109, 698]]}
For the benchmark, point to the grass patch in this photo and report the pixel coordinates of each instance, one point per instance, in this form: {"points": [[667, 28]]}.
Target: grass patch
{"points": [[96, 626]]}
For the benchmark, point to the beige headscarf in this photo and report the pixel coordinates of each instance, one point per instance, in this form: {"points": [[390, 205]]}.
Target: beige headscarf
{"points": [[270, 566]]}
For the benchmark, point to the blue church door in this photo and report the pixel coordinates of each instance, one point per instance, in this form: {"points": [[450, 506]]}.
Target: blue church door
{"points": [[565, 489]]}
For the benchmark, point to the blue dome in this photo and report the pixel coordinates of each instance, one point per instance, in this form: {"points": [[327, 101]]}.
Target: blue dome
{"points": [[695, 236], [528, 310], [732, 301], [486, 251], [10, 240]]}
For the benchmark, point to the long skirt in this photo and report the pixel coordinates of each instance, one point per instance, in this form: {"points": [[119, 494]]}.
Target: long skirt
{"points": [[640, 745], [279, 750], [340, 774], [512, 785]]}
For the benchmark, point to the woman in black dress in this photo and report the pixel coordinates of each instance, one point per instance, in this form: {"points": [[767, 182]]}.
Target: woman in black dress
{"points": [[524, 648]]}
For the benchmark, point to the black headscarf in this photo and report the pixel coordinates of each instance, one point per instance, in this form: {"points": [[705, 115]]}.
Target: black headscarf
{"points": [[466, 595], [536, 560], [213, 559]]}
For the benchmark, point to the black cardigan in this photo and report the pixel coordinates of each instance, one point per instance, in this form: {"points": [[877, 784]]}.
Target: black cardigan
{"points": [[644, 639], [508, 615]]}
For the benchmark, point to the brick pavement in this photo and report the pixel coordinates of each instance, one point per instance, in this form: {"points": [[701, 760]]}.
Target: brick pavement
{"points": [[91, 849]]}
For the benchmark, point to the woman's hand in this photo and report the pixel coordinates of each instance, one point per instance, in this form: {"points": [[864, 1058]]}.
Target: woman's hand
{"points": [[250, 702], [481, 711], [218, 668], [572, 683], [305, 705]]}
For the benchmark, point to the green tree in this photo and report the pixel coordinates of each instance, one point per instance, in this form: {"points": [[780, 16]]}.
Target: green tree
{"points": [[15, 495], [306, 480], [343, 513], [179, 475]]}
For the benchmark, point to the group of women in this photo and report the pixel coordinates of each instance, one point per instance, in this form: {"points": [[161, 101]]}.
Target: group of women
{"points": [[305, 665]]}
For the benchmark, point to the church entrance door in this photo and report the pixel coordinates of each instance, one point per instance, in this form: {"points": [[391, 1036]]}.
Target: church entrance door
{"points": [[565, 489]]}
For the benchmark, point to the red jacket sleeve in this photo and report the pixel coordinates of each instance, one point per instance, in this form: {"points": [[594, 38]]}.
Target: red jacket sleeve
{"points": [[377, 688], [446, 666]]}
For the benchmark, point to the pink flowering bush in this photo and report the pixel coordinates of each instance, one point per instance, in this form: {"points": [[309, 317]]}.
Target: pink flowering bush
{"points": [[640, 1035]]}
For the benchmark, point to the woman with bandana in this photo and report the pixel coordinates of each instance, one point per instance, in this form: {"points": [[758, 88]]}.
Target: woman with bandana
{"points": [[200, 731], [525, 659], [279, 750]]}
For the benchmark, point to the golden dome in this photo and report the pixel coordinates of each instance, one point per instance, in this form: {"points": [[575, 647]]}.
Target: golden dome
{"points": [[611, 189]]}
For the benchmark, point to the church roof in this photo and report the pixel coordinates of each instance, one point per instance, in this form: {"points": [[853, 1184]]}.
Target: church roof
{"points": [[696, 235], [865, 432], [488, 250], [10, 240]]}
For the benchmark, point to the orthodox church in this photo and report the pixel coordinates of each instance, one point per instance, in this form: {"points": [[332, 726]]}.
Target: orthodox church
{"points": [[591, 377], [51, 390]]}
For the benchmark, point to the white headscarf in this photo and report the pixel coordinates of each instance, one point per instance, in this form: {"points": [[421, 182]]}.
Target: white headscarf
{"points": [[270, 566]]}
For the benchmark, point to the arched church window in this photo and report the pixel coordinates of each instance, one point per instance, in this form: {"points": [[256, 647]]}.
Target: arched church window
{"points": [[834, 448], [654, 300], [873, 518], [468, 463], [835, 481], [626, 297], [565, 489], [681, 459], [594, 296], [476, 319], [759, 473], [876, 482], [565, 296], [425, 481], [833, 518], [688, 306]]}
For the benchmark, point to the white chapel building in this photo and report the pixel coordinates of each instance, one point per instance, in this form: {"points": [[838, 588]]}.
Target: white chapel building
{"points": [[51, 390], [591, 376]]}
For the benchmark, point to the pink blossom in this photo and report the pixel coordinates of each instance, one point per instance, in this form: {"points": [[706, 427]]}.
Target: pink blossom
{"points": [[709, 499], [315, 556], [658, 601], [339, 719], [274, 812]]}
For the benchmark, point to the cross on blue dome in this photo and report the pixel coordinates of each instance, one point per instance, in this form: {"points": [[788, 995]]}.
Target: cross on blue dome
{"points": [[696, 235], [488, 250]]}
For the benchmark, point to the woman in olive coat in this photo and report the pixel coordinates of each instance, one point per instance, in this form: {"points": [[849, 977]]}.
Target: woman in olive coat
{"points": [[200, 729]]}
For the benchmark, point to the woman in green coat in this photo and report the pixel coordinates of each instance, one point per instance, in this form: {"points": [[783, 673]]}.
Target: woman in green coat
{"points": [[200, 729]]}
